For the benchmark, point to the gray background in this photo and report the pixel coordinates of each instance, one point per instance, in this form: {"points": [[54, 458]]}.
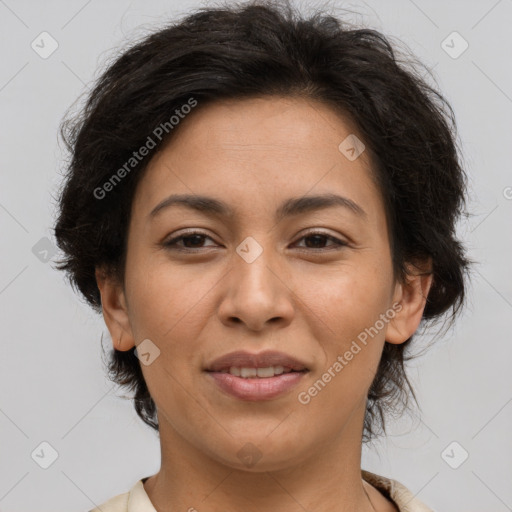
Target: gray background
{"points": [[52, 384]]}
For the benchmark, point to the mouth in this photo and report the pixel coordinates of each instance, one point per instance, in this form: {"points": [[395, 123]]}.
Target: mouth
{"points": [[259, 373], [255, 377], [249, 362]]}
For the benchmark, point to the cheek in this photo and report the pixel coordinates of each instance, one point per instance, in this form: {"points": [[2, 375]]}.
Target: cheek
{"points": [[166, 303], [349, 304], [169, 307], [347, 299]]}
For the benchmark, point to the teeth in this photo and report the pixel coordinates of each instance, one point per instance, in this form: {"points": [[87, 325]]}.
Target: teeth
{"points": [[265, 372], [247, 373]]}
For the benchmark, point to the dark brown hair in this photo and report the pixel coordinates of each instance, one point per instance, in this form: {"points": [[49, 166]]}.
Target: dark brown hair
{"points": [[252, 50]]}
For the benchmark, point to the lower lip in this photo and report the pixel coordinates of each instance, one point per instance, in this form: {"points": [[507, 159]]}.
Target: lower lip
{"points": [[256, 388]]}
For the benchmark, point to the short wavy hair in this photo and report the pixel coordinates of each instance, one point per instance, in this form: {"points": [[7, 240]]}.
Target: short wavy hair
{"points": [[257, 49]]}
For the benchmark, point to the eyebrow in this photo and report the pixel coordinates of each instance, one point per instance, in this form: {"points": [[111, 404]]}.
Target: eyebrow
{"points": [[290, 207]]}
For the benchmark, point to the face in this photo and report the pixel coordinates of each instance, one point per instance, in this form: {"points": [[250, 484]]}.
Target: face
{"points": [[260, 268]]}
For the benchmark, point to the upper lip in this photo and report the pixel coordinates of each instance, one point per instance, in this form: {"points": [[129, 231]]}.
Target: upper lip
{"points": [[242, 359]]}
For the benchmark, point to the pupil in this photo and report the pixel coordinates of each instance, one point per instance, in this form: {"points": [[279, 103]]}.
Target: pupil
{"points": [[193, 237], [318, 238]]}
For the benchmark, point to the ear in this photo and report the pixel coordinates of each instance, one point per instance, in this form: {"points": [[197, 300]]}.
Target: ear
{"points": [[412, 297], [115, 311]]}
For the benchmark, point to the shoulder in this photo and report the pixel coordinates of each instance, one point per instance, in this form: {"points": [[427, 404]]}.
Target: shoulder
{"points": [[118, 503], [134, 500], [398, 493]]}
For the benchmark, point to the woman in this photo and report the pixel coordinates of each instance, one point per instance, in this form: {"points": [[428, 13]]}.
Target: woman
{"points": [[262, 207]]}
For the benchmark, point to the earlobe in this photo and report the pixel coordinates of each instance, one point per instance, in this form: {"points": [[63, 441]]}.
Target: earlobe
{"points": [[115, 312], [412, 296]]}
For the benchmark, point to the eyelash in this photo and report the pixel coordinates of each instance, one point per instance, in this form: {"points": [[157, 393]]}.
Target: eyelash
{"points": [[172, 244]]}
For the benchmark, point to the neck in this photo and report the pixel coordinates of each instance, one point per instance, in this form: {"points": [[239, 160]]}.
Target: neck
{"points": [[325, 477]]}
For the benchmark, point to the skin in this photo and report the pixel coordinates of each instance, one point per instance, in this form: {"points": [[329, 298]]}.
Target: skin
{"points": [[300, 296]]}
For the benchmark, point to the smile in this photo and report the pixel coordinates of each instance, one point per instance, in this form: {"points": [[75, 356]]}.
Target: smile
{"points": [[255, 384], [248, 373]]}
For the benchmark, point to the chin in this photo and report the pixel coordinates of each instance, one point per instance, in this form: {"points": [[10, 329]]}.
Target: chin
{"points": [[253, 460], [263, 451]]}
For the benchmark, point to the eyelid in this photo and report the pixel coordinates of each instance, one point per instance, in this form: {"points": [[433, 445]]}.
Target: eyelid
{"points": [[320, 231], [177, 238], [340, 242], [337, 242]]}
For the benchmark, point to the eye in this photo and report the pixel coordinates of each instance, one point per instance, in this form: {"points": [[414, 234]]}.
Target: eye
{"points": [[191, 240], [318, 238], [195, 240]]}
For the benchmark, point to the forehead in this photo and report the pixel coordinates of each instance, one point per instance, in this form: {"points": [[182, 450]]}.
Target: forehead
{"points": [[257, 150], [287, 125]]}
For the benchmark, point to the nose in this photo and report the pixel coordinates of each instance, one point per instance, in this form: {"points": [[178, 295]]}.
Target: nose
{"points": [[256, 294]]}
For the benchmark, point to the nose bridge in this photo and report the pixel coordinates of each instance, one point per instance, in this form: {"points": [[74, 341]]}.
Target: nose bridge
{"points": [[257, 293], [252, 267]]}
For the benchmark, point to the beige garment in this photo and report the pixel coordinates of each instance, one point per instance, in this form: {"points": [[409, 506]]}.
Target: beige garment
{"points": [[137, 500]]}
